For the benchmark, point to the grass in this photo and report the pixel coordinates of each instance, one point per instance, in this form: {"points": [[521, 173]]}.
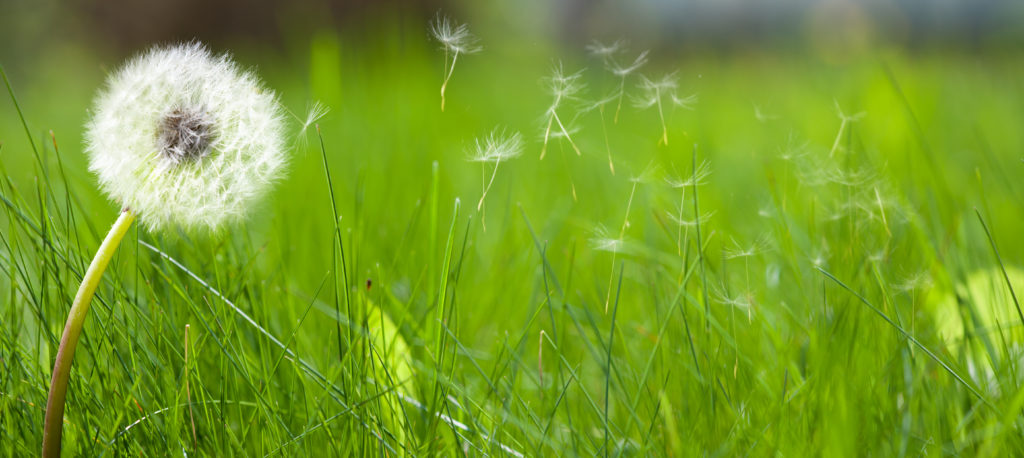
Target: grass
{"points": [[783, 304]]}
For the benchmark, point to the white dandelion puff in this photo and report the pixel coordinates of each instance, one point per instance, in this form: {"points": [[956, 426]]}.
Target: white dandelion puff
{"points": [[455, 39], [183, 137], [177, 137]]}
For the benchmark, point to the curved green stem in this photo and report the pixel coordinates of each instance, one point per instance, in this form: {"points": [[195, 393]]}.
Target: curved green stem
{"points": [[72, 330]]}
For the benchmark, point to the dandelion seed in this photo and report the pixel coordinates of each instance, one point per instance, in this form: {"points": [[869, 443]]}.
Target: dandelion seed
{"points": [[761, 245], [562, 87], [314, 113], [684, 222], [497, 147], [455, 40], [603, 51], [608, 53], [794, 149], [697, 178], [761, 116], [686, 103], [740, 300], [609, 244], [917, 281], [645, 176], [623, 71], [657, 93], [844, 120], [178, 137]]}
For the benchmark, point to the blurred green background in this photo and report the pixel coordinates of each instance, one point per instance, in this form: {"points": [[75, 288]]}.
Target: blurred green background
{"points": [[858, 137]]}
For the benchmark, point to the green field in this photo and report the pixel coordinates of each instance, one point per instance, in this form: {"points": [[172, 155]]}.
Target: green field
{"points": [[808, 267]]}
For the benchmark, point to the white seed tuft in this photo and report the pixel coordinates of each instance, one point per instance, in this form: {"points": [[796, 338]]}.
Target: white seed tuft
{"points": [[185, 138], [453, 38], [497, 146]]}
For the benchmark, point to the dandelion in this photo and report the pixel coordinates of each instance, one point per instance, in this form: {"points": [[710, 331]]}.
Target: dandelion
{"points": [[178, 137], [562, 87], [662, 91], [455, 40], [495, 148]]}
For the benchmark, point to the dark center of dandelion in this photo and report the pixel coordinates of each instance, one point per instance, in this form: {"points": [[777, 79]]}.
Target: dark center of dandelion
{"points": [[185, 134]]}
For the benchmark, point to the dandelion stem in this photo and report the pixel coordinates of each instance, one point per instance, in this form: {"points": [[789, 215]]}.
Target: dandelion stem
{"points": [[622, 237], [488, 186], [73, 330], [547, 133], [448, 75], [607, 145]]}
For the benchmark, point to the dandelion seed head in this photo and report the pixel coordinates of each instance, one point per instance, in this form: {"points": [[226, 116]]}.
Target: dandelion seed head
{"points": [[185, 138], [453, 37], [185, 134]]}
